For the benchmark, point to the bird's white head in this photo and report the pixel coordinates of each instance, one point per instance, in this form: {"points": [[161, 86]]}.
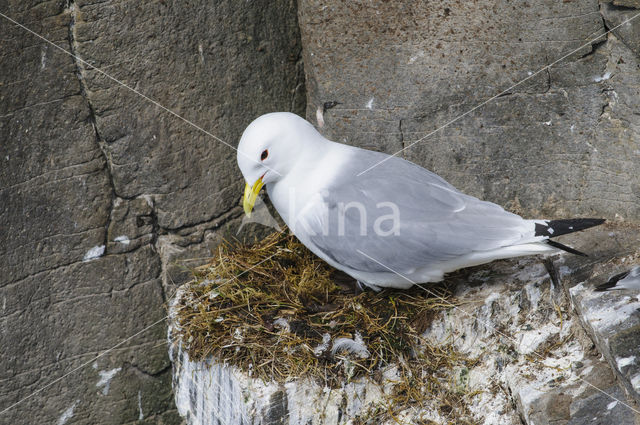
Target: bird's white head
{"points": [[269, 148]]}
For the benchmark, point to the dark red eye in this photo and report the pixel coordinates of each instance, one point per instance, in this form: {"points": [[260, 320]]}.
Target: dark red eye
{"points": [[264, 155]]}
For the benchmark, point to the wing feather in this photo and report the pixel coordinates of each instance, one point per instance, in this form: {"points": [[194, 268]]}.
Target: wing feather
{"points": [[436, 222]]}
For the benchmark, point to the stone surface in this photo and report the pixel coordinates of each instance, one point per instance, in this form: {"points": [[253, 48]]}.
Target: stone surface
{"points": [[561, 144], [532, 345], [535, 361], [229, 65], [622, 4], [613, 320], [104, 194], [616, 18], [208, 393]]}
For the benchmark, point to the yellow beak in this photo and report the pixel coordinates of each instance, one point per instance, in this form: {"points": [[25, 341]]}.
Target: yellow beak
{"points": [[250, 195]]}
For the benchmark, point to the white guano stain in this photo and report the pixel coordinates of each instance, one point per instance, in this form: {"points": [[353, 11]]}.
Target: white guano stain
{"points": [[369, 104], [201, 51], [67, 414], [43, 58], [141, 415], [105, 379], [625, 361], [122, 239], [413, 58], [320, 116], [93, 253]]}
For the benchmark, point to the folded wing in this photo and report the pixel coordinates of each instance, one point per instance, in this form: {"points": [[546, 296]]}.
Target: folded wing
{"points": [[434, 221]]}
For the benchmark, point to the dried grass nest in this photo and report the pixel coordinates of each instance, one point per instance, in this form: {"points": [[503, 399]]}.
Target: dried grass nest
{"points": [[277, 311]]}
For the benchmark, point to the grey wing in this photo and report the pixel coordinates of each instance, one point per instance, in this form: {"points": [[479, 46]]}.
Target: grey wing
{"points": [[405, 217]]}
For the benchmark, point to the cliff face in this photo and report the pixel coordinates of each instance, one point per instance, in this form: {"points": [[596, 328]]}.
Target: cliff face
{"points": [[100, 189], [105, 196], [562, 143]]}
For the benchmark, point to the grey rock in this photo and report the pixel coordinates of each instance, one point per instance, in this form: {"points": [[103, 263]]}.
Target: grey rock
{"points": [[613, 320], [602, 409], [131, 225], [624, 22], [181, 253], [90, 307], [401, 70], [224, 68], [621, 4], [98, 185], [576, 402]]}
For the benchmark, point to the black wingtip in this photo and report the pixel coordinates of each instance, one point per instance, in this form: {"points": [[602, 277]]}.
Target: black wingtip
{"points": [[554, 228], [612, 282], [565, 248]]}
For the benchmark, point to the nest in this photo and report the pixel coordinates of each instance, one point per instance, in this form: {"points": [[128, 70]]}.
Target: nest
{"points": [[276, 311]]}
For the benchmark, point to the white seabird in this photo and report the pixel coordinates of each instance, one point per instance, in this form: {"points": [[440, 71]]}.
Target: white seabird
{"points": [[381, 219], [629, 279]]}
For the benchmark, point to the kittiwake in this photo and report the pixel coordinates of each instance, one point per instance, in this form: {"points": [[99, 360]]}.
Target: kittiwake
{"points": [[629, 279], [383, 220]]}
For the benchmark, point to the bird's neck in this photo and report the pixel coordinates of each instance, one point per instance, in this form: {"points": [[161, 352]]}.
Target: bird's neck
{"points": [[309, 179]]}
